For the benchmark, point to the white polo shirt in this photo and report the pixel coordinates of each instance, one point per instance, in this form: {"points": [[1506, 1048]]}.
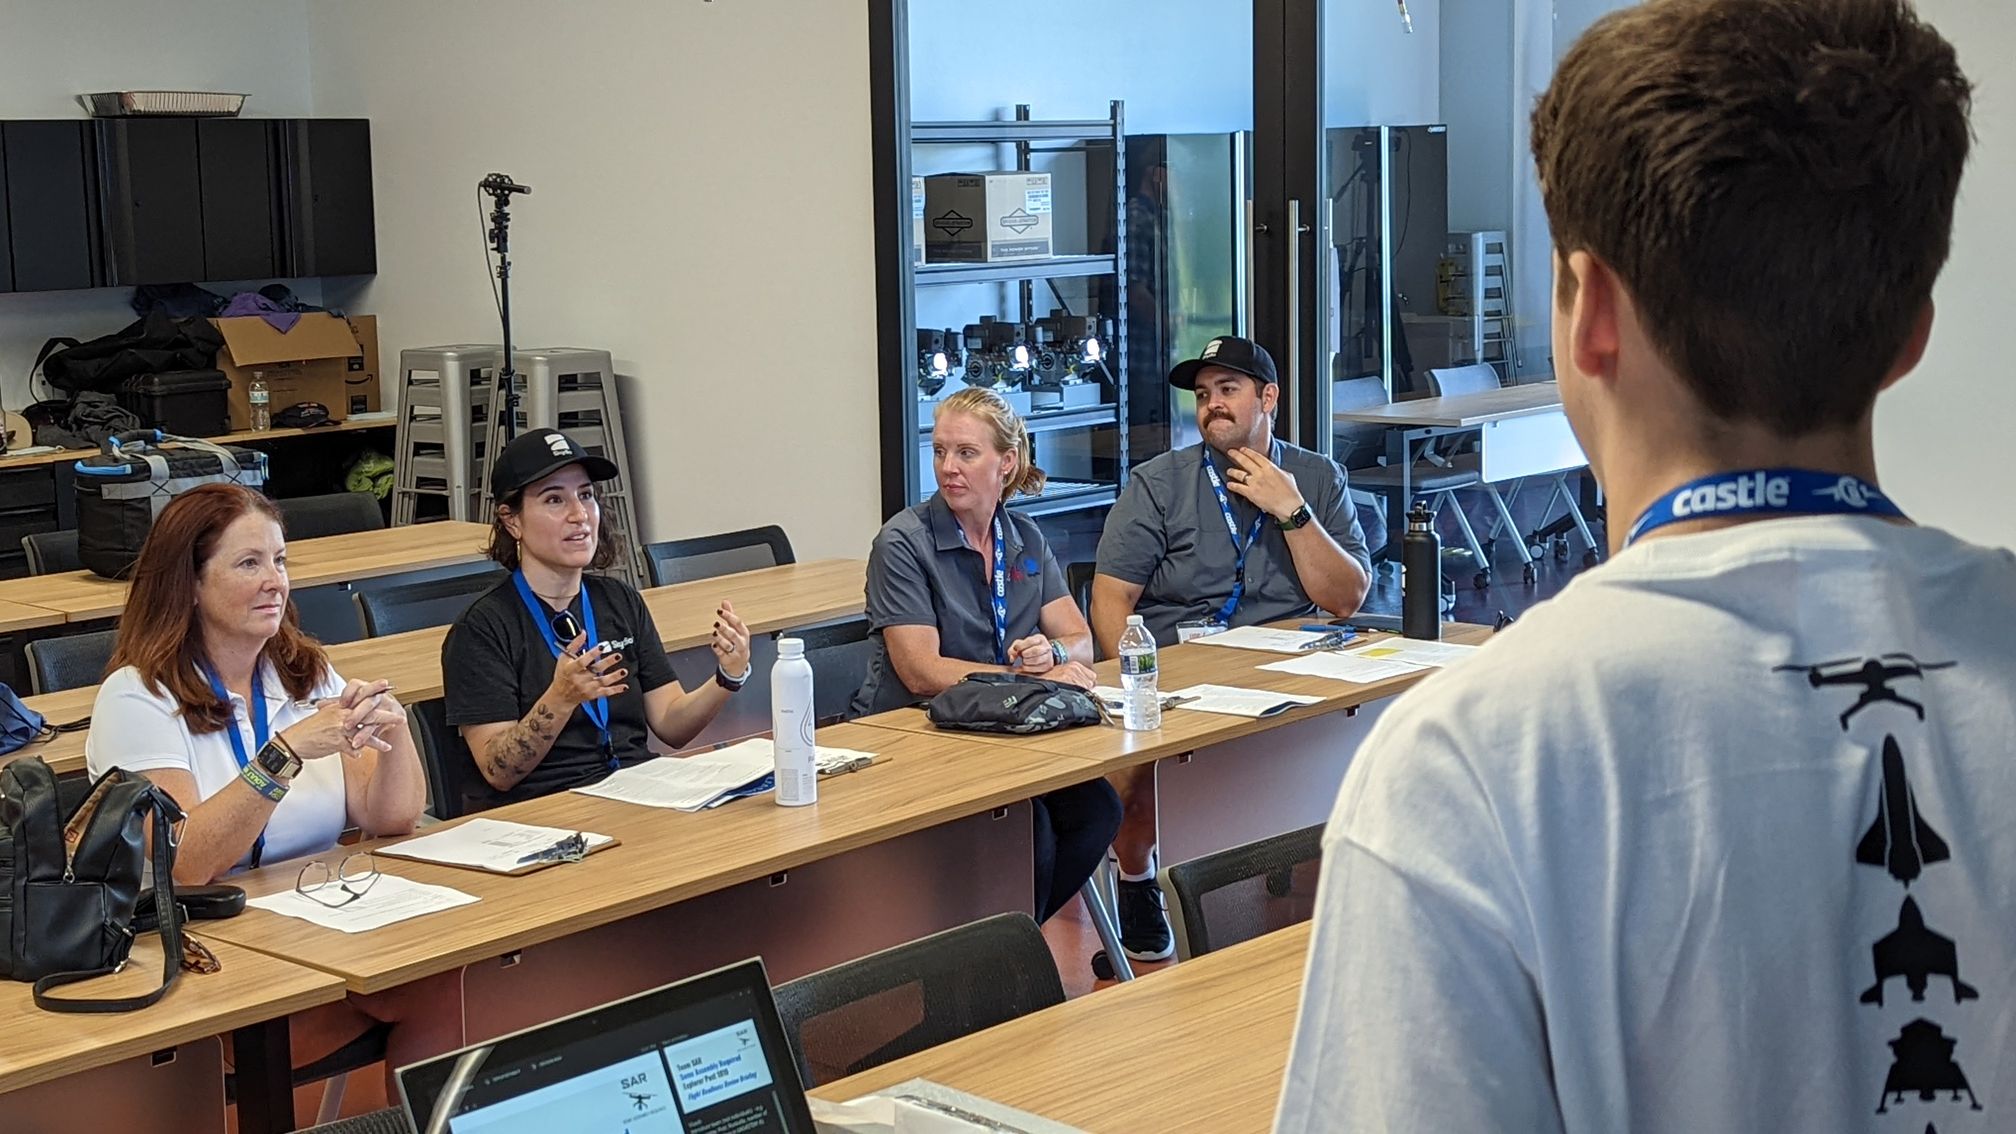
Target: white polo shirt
{"points": [[134, 728]]}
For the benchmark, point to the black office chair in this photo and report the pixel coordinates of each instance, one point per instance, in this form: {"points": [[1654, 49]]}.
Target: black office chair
{"points": [[840, 1021], [840, 653], [69, 662], [454, 787], [328, 613], [1359, 448], [706, 557], [415, 606], [312, 517], [1236, 895], [1078, 580], [51, 553], [392, 1120]]}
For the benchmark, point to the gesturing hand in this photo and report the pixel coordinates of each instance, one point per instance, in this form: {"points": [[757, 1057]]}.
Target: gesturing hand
{"points": [[730, 641], [581, 675], [1261, 481]]}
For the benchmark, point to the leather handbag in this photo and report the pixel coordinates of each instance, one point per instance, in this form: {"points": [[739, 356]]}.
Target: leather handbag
{"points": [[71, 877], [1014, 703]]}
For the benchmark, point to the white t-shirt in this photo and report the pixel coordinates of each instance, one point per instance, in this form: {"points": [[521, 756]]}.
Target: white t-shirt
{"points": [[1624, 871], [141, 731]]}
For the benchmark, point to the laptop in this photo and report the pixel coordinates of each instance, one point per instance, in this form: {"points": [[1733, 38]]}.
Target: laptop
{"points": [[707, 1054]]}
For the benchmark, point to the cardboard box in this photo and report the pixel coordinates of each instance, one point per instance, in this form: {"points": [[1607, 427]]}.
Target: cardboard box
{"points": [[916, 220], [323, 358], [986, 218]]}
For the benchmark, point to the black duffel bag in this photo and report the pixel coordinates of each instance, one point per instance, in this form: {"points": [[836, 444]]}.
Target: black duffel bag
{"points": [[151, 344], [1011, 702], [133, 476], [72, 876]]}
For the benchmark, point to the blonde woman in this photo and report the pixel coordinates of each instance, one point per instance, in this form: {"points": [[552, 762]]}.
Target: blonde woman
{"points": [[960, 585]]}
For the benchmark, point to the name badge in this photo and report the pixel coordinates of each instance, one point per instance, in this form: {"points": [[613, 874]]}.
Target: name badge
{"points": [[1198, 628]]}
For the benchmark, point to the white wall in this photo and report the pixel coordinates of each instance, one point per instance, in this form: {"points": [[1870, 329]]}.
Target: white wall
{"points": [[1375, 73], [1943, 434], [53, 50], [701, 205]]}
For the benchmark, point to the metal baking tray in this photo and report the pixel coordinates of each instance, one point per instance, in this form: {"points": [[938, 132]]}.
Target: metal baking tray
{"points": [[135, 104]]}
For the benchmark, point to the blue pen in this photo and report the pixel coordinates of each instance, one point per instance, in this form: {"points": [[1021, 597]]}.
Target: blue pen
{"points": [[1344, 633]]}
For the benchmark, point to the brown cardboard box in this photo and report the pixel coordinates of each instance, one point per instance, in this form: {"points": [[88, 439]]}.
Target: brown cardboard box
{"points": [[323, 358]]}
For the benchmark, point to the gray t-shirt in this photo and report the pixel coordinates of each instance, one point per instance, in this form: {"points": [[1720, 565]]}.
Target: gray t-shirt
{"points": [[921, 573], [1168, 535]]}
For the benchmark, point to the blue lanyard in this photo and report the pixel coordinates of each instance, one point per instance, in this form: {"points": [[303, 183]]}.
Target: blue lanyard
{"points": [[1000, 594], [598, 709], [1765, 492], [1224, 615], [260, 734]]}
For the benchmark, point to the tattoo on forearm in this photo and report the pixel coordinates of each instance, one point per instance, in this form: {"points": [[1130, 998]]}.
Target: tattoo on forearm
{"points": [[513, 755]]}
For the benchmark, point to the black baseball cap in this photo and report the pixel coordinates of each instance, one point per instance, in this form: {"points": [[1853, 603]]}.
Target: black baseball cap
{"points": [[1230, 352], [536, 454]]}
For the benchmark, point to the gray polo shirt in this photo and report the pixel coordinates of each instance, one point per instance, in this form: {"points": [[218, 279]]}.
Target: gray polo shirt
{"points": [[1168, 535], [921, 573]]}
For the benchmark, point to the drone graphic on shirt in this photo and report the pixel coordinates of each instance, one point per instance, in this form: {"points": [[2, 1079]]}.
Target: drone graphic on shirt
{"points": [[1874, 675]]}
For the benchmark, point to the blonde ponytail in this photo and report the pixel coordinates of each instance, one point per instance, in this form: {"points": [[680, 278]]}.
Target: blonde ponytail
{"points": [[1010, 435]]}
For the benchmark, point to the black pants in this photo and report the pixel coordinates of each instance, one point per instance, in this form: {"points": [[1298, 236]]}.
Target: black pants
{"points": [[1073, 827]]}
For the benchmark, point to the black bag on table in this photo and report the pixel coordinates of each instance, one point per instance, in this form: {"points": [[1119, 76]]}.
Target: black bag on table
{"points": [[1011, 702], [133, 476], [154, 343], [70, 878]]}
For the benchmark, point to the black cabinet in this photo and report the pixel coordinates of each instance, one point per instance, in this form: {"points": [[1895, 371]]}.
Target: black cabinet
{"points": [[152, 201], [240, 188], [331, 231], [51, 204], [126, 201]]}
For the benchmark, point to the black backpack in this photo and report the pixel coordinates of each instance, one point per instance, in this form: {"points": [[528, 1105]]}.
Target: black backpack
{"points": [[153, 343], [1011, 702], [70, 878]]}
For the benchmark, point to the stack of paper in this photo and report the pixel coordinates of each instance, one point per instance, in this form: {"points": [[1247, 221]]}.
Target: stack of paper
{"points": [[1345, 667], [1237, 702], [706, 779], [488, 844], [1262, 638], [389, 899], [1415, 652]]}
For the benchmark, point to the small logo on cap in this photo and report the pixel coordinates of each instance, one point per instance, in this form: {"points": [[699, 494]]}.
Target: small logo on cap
{"points": [[559, 444], [1211, 348]]}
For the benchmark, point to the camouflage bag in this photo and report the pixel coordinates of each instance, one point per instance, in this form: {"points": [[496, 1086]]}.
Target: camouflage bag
{"points": [[1009, 702]]}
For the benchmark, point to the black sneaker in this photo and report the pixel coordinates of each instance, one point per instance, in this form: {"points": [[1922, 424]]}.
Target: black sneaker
{"points": [[1144, 927]]}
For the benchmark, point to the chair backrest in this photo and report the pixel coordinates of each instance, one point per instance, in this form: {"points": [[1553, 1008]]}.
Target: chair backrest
{"points": [[840, 1021], [840, 653], [1078, 580], [705, 557], [312, 517], [328, 613], [1454, 380], [454, 787], [1236, 895], [415, 606], [51, 553], [71, 661], [1357, 446]]}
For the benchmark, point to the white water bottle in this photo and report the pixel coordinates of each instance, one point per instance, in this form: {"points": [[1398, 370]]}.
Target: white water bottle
{"points": [[791, 725], [1138, 677]]}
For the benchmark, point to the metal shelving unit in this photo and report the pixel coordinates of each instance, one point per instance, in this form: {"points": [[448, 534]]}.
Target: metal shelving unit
{"points": [[904, 479]]}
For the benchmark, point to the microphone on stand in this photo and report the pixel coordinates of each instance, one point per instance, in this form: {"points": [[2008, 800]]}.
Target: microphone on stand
{"points": [[501, 183]]}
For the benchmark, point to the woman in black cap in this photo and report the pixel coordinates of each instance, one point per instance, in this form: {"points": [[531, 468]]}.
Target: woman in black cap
{"points": [[555, 676]]}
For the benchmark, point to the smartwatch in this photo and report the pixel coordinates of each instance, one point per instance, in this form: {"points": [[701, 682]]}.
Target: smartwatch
{"points": [[277, 759], [1298, 518], [732, 684], [1058, 654]]}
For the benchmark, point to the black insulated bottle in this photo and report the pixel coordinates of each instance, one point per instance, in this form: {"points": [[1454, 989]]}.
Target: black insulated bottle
{"points": [[1421, 577]]}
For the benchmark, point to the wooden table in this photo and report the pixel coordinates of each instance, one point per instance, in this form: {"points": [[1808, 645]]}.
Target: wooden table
{"points": [[769, 600], [1199, 1046], [52, 1067], [670, 856], [22, 616], [80, 596]]}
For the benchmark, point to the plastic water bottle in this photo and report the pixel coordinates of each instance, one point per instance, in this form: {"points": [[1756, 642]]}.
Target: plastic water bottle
{"points": [[1138, 677], [259, 397], [791, 725]]}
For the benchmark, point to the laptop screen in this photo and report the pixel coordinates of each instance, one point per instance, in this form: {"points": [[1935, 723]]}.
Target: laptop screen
{"points": [[703, 1056]]}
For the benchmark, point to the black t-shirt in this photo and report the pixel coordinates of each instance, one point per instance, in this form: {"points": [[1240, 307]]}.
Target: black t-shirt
{"points": [[495, 664]]}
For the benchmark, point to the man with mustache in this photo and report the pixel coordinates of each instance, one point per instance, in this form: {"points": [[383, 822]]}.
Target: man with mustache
{"points": [[1241, 529]]}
